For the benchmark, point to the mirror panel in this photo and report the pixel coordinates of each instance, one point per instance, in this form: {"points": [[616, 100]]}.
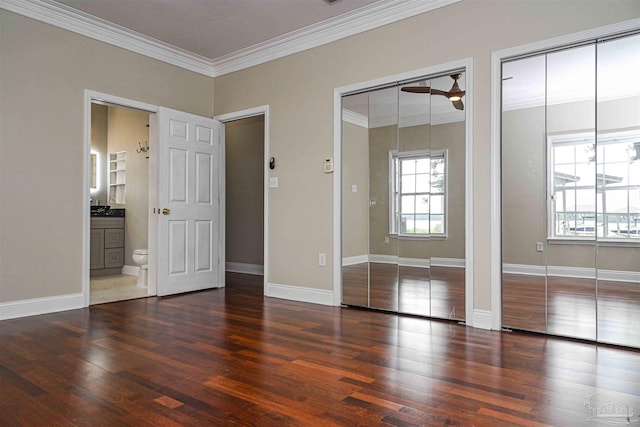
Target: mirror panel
{"points": [[355, 200], [618, 158], [383, 250], [524, 193], [412, 175]]}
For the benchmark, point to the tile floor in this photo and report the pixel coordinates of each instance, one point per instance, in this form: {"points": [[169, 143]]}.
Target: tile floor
{"points": [[115, 288]]}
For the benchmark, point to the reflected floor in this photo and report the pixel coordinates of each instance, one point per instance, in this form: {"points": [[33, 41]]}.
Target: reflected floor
{"points": [[572, 307], [115, 288], [436, 291]]}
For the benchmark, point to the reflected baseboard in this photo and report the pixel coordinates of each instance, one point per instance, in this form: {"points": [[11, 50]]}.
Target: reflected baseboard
{"points": [[572, 272], [405, 262]]}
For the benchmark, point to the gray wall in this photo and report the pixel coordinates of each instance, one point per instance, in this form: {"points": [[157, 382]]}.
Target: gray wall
{"points": [[244, 159]]}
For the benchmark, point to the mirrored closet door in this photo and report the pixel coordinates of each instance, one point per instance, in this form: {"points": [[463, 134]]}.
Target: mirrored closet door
{"points": [[571, 192], [403, 194]]}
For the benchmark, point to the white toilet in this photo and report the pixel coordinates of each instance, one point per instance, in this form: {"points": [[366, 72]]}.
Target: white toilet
{"points": [[140, 257]]}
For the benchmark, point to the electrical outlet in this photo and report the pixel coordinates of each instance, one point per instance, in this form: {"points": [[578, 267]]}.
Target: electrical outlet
{"points": [[322, 259], [386, 239], [539, 246]]}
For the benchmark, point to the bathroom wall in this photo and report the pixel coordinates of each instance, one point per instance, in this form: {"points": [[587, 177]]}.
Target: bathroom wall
{"points": [[99, 145], [127, 128], [244, 157]]}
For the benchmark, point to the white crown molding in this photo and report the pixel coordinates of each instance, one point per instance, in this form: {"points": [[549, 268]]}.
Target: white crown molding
{"points": [[364, 19], [355, 118], [358, 21], [87, 25]]}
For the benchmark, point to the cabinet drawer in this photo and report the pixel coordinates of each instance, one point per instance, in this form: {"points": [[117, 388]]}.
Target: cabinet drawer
{"points": [[113, 257], [114, 238]]}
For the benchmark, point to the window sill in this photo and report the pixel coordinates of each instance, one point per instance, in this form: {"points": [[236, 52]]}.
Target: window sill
{"points": [[420, 237]]}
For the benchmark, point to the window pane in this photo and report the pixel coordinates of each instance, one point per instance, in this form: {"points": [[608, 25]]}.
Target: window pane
{"points": [[422, 224], [408, 204], [437, 165], [408, 184], [616, 201], [408, 166], [615, 152], [437, 204], [564, 154], [422, 183], [585, 153], [586, 174], [406, 224], [437, 183], [437, 224], [422, 204], [423, 165], [586, 201]]}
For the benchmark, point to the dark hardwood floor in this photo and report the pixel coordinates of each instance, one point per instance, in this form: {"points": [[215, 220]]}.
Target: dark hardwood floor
{"points": [[232, 357]]}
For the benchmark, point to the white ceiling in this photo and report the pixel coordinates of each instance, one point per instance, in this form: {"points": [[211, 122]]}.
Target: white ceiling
{"points": [[214, 28]]}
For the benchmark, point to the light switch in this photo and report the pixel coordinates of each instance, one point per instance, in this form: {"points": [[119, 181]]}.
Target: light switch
{"points": [[273, 182], [354, 188]]}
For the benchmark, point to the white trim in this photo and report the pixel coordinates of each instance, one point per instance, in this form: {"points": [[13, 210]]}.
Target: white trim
{"points": [[448, 262], [130, 270], [70, 19], [298, 293], [36, 306], [90, 96], [242, 267], [360, 20], [262, 110], [355, 118], [467, 65], [496, 83], [573, 272], [482, 319], [353, 260]]}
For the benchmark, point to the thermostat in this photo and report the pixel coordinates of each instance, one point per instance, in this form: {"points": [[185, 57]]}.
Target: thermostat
{"points": [[328, 165]]}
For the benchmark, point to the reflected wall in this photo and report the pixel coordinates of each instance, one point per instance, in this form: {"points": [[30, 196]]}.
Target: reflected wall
{"points": [[570, 191]]}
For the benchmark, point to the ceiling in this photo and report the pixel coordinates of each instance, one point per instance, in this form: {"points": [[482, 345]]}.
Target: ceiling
{"points": [[217, 37], [215, 28]]}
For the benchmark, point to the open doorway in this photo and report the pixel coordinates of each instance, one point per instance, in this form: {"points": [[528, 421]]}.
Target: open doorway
{"points": [[119, 191], [247, 198]]}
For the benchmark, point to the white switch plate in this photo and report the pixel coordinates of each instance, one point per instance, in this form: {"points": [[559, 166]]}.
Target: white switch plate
{"points": [[354, 188], [322, 259], [539, 246], [273, 182]]}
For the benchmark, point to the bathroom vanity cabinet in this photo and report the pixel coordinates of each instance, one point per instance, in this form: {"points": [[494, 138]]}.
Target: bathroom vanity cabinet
{"points": [[107, 245]]}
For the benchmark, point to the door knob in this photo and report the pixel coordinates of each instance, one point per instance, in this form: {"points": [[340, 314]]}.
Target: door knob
{"points": [[166, 211]]}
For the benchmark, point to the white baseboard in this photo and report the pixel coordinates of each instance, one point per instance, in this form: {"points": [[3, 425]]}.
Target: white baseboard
{"points": [[482, 319], [297, 293], [352, 260], [35, 306], [572, 272], [131, 270], [406, 262], [240, 267]]}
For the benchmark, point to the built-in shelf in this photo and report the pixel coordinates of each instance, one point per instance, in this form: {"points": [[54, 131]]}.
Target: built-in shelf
{"points": [[117, 177]]}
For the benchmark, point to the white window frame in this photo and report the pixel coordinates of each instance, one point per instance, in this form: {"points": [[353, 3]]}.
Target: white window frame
{"points": [[393, 224], [584, 139]]}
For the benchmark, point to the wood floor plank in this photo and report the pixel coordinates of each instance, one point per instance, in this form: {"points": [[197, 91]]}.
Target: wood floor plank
{"points": [[233, 357]]}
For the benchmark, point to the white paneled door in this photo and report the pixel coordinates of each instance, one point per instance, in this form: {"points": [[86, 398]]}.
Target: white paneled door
{"points": [[190, 203]]}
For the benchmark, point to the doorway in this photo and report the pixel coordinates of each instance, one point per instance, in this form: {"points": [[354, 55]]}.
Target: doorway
{"points": [[119, 189], [247, 196]]}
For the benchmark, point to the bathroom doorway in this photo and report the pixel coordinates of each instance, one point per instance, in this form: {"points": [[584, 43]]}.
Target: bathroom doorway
{"points": [[119, 198]]}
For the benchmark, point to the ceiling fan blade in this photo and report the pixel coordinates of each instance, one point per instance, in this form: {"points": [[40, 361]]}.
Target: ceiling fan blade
{"points": [[439, 92], [458, 104], [416, 89]]}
